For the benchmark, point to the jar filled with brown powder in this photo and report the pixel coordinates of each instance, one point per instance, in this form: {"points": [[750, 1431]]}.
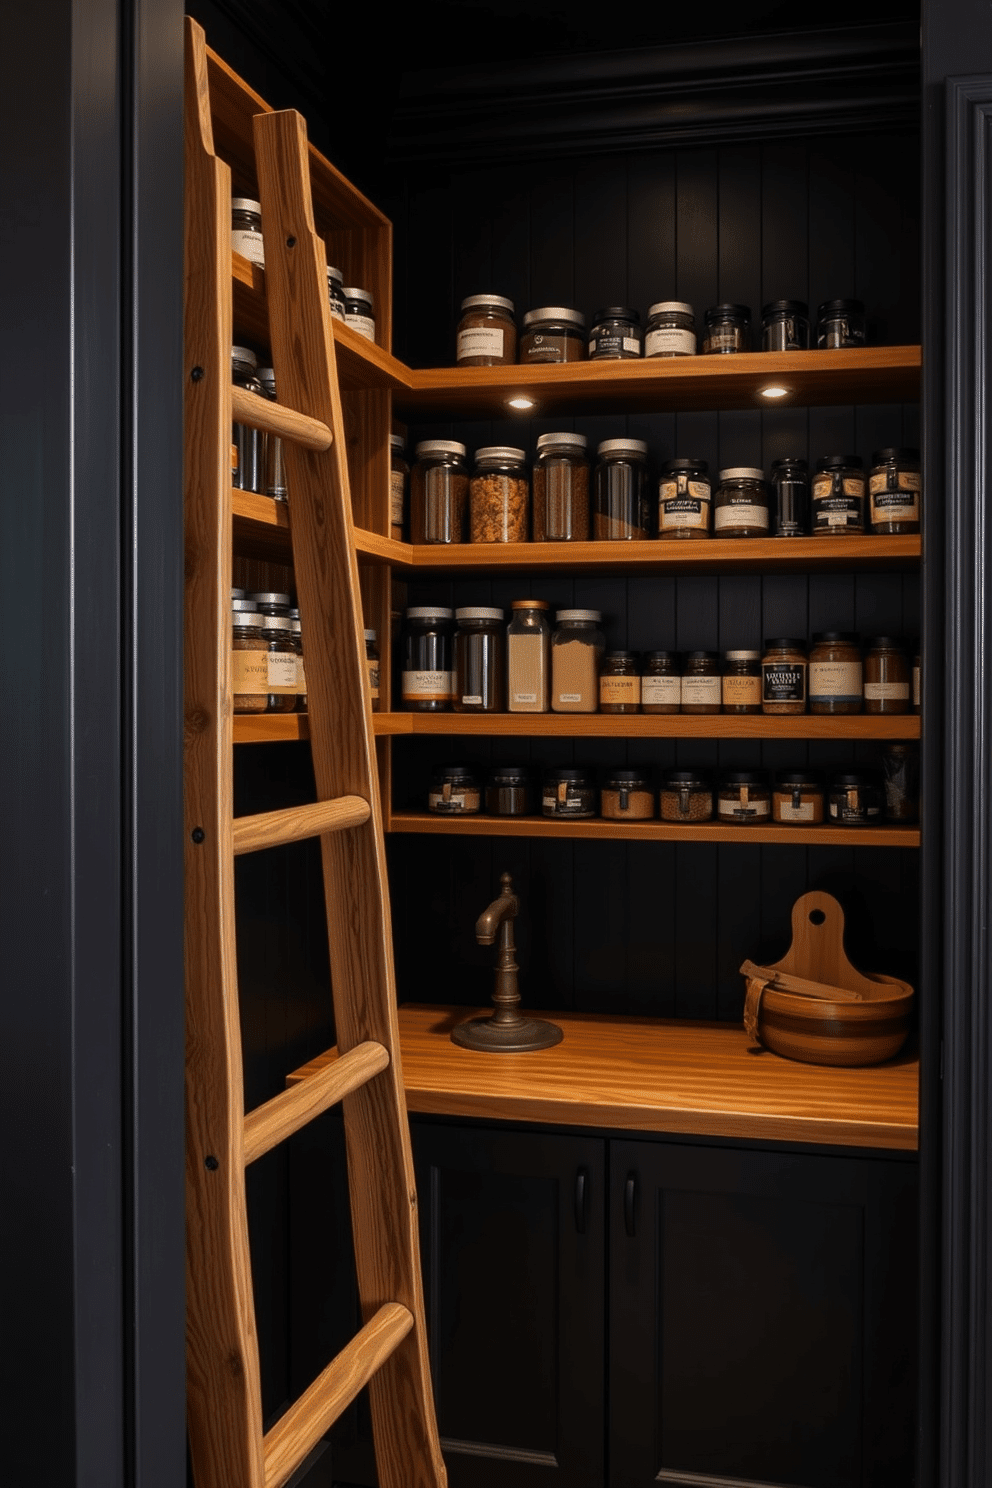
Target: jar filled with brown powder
{"points": [[576, 653], [626, 796]]}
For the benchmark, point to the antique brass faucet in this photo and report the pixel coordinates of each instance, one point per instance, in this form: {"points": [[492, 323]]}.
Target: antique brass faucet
{"points": [[506, 1031]]}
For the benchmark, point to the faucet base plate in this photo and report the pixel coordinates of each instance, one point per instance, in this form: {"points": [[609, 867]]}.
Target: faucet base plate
{"points": [[486, 1035]]}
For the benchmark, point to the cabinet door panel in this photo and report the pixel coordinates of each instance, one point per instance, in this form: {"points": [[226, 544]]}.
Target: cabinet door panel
{"points": [[512, 1229], [762, 1319]]}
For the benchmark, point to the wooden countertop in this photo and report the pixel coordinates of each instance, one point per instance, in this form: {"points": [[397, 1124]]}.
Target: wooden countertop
{"points": [[653, 1074]]}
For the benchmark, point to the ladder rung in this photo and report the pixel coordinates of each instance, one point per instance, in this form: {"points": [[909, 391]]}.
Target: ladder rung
{"points": [[300, 1429], [274, 828], [275, 418], [279, 1118]]}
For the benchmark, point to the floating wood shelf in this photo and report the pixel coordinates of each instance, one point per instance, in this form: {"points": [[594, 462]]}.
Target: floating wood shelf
{"points": [[652, 831], [654, 1075], [664, 726], [273, 728]]}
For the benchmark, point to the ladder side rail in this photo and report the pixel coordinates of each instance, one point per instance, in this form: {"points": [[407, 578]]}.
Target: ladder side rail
{"points": [[380, 1164], [224, 1392]]}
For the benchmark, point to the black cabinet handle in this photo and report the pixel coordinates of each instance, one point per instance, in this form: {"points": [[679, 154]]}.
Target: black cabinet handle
{"points": [[630, 1204], [581, 1199]]}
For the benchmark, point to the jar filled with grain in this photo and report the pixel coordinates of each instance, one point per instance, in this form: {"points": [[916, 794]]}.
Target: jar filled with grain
{"points": [[553, 334], [742, 505], [427, 683], [528, 657], [741, 683], [661, 682], [894, 492], [840, 487], [479, 667], [685, 499], [576, 654], [855, 799], [783, 677], [620, 683], [454, 791], [509, 791], [887, 676], [835, 672], [568, 794], [487, 333], [686, 796], [621, 510], [744, 798], [701, 682], [500, 496], [561, 489], [281, 663], [249, 660], [438, 492], [626, 796], [797, 799]]}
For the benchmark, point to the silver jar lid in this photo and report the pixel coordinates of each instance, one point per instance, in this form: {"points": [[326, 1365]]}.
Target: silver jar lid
{"points": [[336, 275], [742, 472], [351, 292], [370, 635], [245, 204], [504, 452], [296, 627], [273, 599], [743, 655], [267, 377], [242, 354], [572, 441], [428, 612], [487, 302], [555, 312], [276, 622], [671, 307], [428, 447], [566, 615], [241, 608], [623, 447], [477, 612], [397, 441]]}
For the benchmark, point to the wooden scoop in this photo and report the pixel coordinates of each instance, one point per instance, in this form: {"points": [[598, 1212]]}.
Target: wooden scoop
{"points": [[817, 950], [784, 981]]}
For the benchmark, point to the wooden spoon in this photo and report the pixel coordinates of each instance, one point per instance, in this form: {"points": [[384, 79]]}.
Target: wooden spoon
{"points": [[784, 981]]}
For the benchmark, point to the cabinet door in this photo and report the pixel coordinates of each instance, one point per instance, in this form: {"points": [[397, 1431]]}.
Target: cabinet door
{"points": [[512, 1227], [762, 1319]]}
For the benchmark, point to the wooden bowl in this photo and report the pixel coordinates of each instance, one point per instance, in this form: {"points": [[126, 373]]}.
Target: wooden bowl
{"points": [[848, 1033]]}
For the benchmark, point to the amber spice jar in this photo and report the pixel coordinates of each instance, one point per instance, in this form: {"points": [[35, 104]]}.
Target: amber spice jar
{"points": [[887, 677]]}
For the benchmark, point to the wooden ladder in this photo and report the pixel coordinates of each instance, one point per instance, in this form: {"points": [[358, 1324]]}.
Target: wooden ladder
{"points": [[228, 1445]]}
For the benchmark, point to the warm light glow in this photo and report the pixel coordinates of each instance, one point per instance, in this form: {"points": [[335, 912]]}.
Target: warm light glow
{"points": [[774, 392], [521, 402]]}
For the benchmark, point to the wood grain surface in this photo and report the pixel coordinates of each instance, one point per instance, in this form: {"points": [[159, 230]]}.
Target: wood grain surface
{"points": [[654, 1075], [668, 725], [292, 1108], [275, 418], [651, 831], [295, 823]]}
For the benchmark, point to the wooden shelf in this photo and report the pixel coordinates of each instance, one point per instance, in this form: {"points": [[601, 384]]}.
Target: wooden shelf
{"points": [[260, 527], [654, 1075], [665, 726], [651, 831], [272, 728]]}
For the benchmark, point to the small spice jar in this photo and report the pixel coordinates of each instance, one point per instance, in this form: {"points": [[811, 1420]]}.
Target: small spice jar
{"points": [[839, 490], [685, 499], [840, 323], [685, 796], [528, 657], [399, 476], [508, 792], [487, 334], [836, 675], [894, 491], [427, 683], [273, 466], [359, 311], [454, 791], [500, 496], [479, 666], [247, 464], [901, 776], [744, 798], [335, 293], [561, 489], [701, 682], [568, 794], [626, 796], [271, 602], [246, 229], [438, 492], [301, 673], [785, 326], [741, 506], [620, 683], [671, 330], [615, 335], [661, 683], [797, 799], [372, 667], [854, 799], [741, 683], [620, 491], [783, 677], [553, 334], [577, 648], [790, 498], [249, 659], [887, 676], [281, 663], [728, 329]]}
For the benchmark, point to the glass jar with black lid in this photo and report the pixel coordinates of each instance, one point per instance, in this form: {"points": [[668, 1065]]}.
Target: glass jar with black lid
{"points": [[509, 791], [661, 683], [686, 796], [685, 499], [840, 323], [553, 334], [454, 791], [835, 672], [838, 498], [399, 476], [615, 335], [741, 682], [887, 676], [785, 326], [568, 794], [561, 489], [797, 799], [439, 492], [480, 669], [744, 797], [741, 505], [671, 330], [855, 799], [246, 229], [620, 683], [894, 492], [427, 684], [359, 311], [335, 293], [247, 464], [728, 329], [282, 665], [701, 682], [790, 503], [487, 332], [626, 796], [620, 507]]}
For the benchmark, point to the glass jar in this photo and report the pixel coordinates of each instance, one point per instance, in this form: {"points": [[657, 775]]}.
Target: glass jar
{"points": [[620, 683], [487, 333], [835, 672], [839, 490], [701, 682], [372, 667], [479, 666], [335, 293], [427, 684], [742, 502], [577, 648], [615, 335], [785, 326], [454, 791], [797, 799], [671, 330], [247, 470], [661, 683], [528, 657], [685, 796], [728, 329], [553, 334], [901, 777], [626, 796], [741, 684], [840, 323], [568, 794], [620, 500], [685, 501], [508, 792], [281, 663], [274, 469], [887, 676], [917, 684], [246, 229], [249, 659], [272, 602], [854, 799], [790, 498], [359, 311], [744, 798], [500, 496], [301, 673], [561, 489], [438, 492], [399, 476], [894, 491], [783, 677]]}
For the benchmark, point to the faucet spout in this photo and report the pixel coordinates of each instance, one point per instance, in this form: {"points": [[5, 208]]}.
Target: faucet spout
{"points": [[502, 909]]}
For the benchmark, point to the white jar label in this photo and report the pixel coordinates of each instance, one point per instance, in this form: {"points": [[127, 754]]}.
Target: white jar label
{"points": [[696, 690], [471, 700], [396, 486], [879, 691], [250, 672], [434, 686], [484, 341], [742, 692], [660, 690], [301, 676], [363, 324], [525, 697], [570, 697], [840, 681], [740, 516], [282, 671], [895, 506], [451, 800], [248, 242], [670, 341], [631, 344], [789, 813]]}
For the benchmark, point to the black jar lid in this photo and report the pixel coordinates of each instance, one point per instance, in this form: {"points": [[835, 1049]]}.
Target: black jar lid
{"points": [[784, 643], [744, 777], [790, 462], [840, 307], [845, 637], [799, 777], [673, 467], [571, 777], [888, 643], [901, 456], [852, 778], [664, 656], [616, 312], [702, 656], [626, 777], [840, 462], [619, 655], [509, 775], [784, 307], [728, 312], [697, 778], [453, 772]]}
